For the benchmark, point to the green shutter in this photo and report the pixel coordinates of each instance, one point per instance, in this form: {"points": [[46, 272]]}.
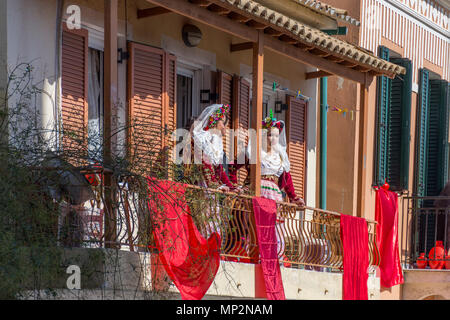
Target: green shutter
{"points": [[399, 118], [422, 130], [425, 221], [432, 151], [443, 133], [384, 92], [437, 157], [437, 152]]}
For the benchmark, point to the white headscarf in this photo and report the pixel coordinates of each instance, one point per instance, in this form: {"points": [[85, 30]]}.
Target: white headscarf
{"points": [[280, 148], [210, 141]]}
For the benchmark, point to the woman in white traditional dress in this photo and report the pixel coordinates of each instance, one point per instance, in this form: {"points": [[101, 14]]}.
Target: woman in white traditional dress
{"points": [[275, 165], [207, 132], [207, 148], [275, 169]]}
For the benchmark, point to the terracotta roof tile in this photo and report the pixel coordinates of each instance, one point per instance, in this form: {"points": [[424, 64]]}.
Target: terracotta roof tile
{"points": [[316, 37], [323, 8]]}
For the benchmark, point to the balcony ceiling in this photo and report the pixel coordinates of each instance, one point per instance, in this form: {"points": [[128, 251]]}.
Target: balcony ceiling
{"points": [[312, 37], [295, 38]]}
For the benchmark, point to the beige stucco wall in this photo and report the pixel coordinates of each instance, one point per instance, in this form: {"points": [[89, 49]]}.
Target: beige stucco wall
{"points": [[342, 93], [422, 284], [31, 38], [108, 274], [237, 280]]}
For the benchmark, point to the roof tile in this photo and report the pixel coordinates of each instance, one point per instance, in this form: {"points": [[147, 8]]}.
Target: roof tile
{"points": [[314, 36]]}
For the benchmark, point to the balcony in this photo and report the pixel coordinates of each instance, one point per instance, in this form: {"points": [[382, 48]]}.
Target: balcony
{"points": [[311, 237], [424, 221]]}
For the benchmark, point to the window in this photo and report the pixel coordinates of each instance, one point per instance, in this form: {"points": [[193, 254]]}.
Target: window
{"points": [[184, 101], [393, 126], [432, 149], [95, 105], [432, 136]]}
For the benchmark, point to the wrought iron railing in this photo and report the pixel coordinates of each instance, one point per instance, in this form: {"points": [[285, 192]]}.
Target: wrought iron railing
{"points": [[306, 236], [424, 221], [312, 237]]}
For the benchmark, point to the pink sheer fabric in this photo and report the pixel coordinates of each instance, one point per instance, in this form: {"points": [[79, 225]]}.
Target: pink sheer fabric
{"points": [[265, 216], [355, 242], [386, 215]]}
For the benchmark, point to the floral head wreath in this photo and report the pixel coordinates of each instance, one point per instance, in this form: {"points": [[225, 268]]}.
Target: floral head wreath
{"points": [[219, 114], [270, 122]]}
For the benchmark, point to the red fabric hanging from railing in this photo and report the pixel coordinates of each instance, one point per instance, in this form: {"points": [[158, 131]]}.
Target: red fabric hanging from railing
{"points": [[355, 243], [189, 259], [386, 215], [265, 211]]}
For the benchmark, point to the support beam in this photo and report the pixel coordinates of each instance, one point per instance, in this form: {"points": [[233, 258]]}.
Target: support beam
{"points": [[201, 3], [219, 10], [287, 39], [110, 101], [348, 64], [144, 13], [317, 74], [303, 46], [256, 25], [241, 46], [256, 116], [238, 17], [319, 52], [375, 74], [361, 144], [361, 68], [272, 32], [334, 59]]}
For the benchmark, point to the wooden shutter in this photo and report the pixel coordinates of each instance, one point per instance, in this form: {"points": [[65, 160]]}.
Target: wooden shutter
{"points": [[398, 129], [422, 132], [171, 109], [241, 116], [296, 136], [151, 96], [225, 91], [383, 98], [74, 105]]}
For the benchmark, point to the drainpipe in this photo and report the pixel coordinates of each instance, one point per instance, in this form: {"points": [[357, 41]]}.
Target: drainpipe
{"points": [[323, 142]]}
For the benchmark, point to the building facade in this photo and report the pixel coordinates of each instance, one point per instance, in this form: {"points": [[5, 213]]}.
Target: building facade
{"points": [[107, 65], [406, 138]]}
